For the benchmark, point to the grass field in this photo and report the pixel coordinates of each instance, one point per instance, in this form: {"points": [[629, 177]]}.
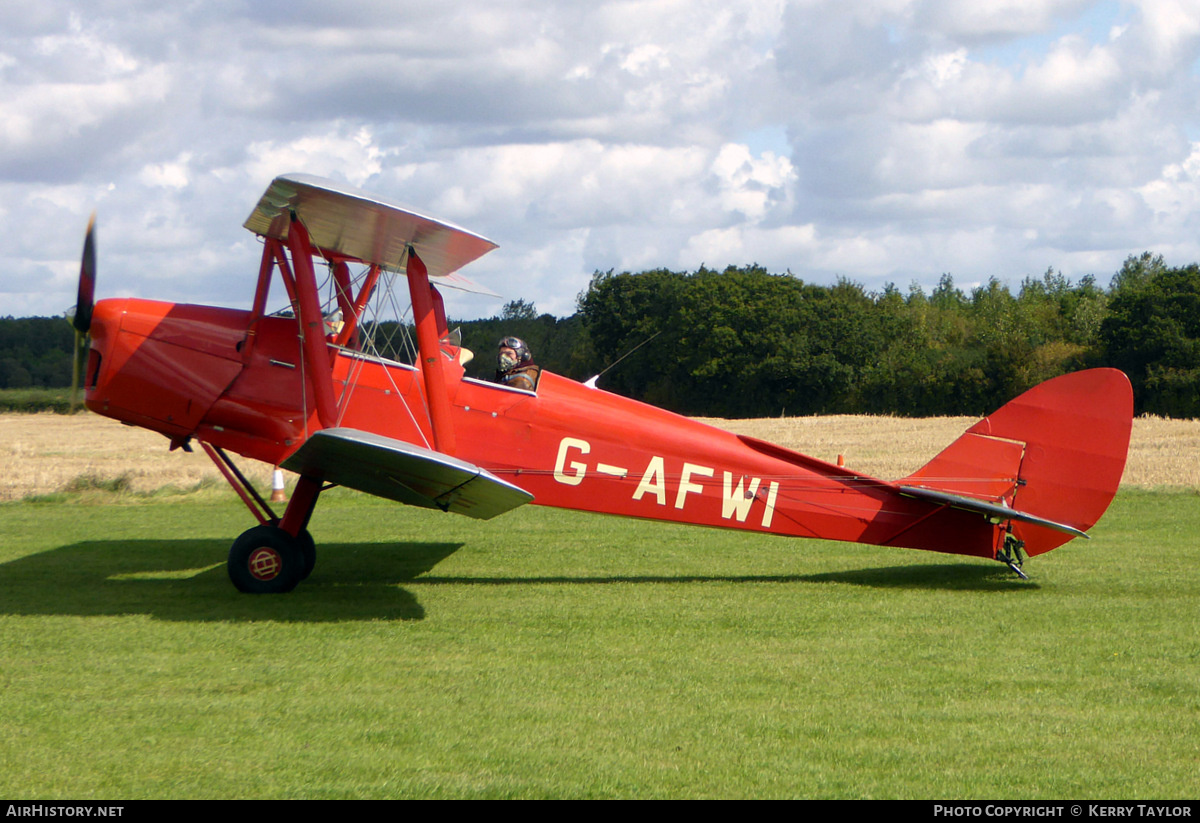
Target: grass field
{"points": [[556, 654]]}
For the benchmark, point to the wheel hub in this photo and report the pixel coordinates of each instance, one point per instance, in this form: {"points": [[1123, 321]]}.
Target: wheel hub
{"points": [[265, 563]]}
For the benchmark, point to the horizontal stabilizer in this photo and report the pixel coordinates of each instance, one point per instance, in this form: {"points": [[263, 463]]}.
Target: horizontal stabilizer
{"points": [[405, 473], [992, 510], [343, 220]]}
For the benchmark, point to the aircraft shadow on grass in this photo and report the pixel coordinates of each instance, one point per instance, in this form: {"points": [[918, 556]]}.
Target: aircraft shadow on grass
{"points": [[185, 580], [950, 576], [943, 576]]}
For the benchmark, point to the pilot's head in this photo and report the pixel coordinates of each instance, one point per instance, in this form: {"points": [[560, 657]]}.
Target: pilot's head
{"points": [[513, 353]]}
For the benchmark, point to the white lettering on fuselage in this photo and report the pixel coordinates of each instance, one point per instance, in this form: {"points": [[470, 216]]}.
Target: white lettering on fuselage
{"points": [[736, 502], [653, 481], [737, 494], [686, 485], [769, 513], [578, 468]]}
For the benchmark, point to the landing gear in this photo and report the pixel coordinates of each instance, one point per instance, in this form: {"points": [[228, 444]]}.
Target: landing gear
{"points": [[1013, 553], [268, 560]]}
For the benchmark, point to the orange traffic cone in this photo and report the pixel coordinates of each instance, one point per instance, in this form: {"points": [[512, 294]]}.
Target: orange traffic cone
{"points": [[277, 493]]}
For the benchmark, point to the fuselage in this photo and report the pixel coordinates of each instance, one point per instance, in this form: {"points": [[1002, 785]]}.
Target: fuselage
{"points": [[238, 382]]}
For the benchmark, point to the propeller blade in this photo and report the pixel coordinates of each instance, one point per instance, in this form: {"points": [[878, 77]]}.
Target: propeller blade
{"points": [[87, 280]]}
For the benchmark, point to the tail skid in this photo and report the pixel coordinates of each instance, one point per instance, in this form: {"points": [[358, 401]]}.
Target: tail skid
{"points": [[1048, 463]]}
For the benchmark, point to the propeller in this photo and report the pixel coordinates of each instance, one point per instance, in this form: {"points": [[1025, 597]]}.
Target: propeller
{"points": [[85, 297], [84, 301]]}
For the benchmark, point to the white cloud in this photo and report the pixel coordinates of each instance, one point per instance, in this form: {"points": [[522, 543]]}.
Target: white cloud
{"points": [[349, 154], [643, 60], [171, 175], [35, 116], [911, 137], [752, 185], [1164, 38], [1177, 192], [994, 18], [1071, 70]]}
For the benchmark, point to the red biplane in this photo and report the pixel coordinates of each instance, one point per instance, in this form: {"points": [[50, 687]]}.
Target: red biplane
{"points": [[307, 391]]}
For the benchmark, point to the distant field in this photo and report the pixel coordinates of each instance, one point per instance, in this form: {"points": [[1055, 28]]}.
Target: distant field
{"points": [[43, 453]]}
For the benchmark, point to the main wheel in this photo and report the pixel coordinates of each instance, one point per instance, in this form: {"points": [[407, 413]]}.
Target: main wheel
{"points": [[266, 560]]}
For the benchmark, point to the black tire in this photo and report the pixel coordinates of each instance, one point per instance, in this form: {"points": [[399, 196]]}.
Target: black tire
{"points": [[308, 554], [266, 560]]}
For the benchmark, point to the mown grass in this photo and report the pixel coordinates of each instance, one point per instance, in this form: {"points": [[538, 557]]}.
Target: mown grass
{"points": [[555, 654]]}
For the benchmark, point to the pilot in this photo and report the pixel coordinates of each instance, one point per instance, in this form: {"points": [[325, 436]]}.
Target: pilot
{"points": [[515, 366]]}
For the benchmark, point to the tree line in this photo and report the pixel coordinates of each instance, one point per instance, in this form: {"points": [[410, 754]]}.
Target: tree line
{"points": [[35, 352], [744, 342]]}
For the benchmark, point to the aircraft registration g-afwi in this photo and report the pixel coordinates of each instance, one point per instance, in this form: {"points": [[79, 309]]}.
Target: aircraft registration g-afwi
{"points": [[315, 396]]}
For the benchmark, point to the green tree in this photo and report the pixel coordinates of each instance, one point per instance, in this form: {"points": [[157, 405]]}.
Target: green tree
{"points": [[622, 311], [1152, 333], [518, 310]]}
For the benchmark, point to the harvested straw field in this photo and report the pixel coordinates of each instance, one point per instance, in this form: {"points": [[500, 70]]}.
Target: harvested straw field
{"points": [[45, 453]]}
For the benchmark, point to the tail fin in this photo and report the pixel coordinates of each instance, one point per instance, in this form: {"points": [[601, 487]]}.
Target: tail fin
{"points": [[1056, 453]]}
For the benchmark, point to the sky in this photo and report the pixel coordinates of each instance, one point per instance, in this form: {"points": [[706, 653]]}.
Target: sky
{"points": [[876, 140]]}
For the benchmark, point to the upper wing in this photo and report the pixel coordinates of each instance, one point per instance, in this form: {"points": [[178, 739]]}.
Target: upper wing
{"points": [[346, 221], [406, 473]]}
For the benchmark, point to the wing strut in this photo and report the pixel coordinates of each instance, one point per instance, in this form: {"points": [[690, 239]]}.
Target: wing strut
{"points": [[312, 324], [350, 329], [426, 319]]}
